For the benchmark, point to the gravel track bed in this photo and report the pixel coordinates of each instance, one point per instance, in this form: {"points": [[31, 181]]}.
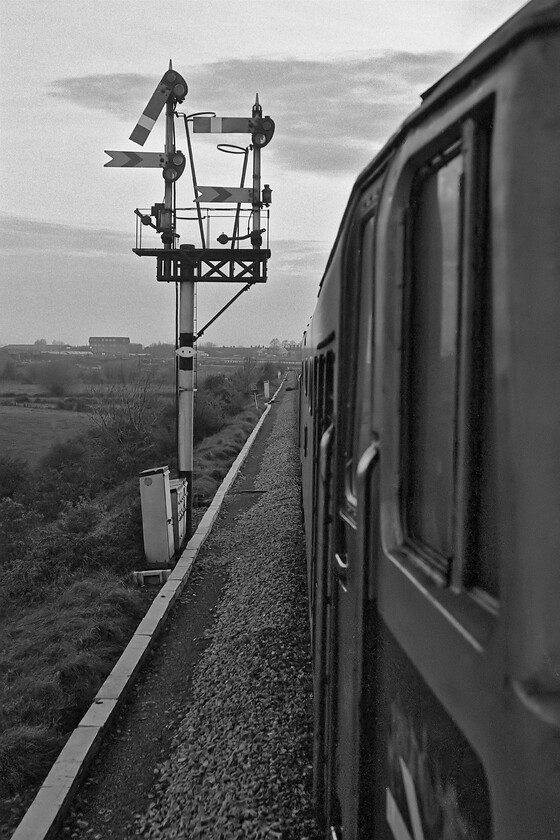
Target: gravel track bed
{"points": [[240, 764]]}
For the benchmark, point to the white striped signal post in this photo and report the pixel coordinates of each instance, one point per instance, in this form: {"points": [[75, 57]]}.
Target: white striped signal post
{"points": [[187, 264], [170, 90]]}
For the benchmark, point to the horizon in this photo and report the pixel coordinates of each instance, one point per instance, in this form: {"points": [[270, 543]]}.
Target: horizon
{"points": [[203, 343]]}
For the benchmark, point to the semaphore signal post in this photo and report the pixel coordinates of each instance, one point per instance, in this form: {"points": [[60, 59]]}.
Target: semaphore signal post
{"points": [[186, 264]]}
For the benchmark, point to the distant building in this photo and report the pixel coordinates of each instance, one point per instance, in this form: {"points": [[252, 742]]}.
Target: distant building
{"points": [[21, 350], [109, 345]]}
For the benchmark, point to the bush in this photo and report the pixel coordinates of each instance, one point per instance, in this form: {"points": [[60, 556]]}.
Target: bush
{"points": [[220, 385], [64, 476], [16, 523], [121, 371], [14, 475], [9, 372], [245, 374], [80, 518], [226, 391], [267, 373], [208, 416], [84, 540], [57, 377], [164, 435]]}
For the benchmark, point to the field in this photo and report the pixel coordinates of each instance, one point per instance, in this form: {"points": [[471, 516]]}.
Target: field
{"points": [[20, 388], [30, 432]]}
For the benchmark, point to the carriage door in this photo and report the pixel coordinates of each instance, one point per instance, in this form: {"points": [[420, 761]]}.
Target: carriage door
{"points": [[347, 576]]}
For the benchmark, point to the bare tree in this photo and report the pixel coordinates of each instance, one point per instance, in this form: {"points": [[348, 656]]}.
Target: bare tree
{"points": [[125, 409], [245, 375]]}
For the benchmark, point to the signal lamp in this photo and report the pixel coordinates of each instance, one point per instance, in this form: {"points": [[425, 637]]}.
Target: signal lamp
{"points": [[174, 166], [262, 129], [176, 84]]}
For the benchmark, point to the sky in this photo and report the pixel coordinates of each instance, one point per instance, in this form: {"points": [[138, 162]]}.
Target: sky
{"points": [[336, 76]]}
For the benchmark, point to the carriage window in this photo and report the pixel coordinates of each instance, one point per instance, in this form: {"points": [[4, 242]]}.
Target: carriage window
{"points": [[358, 374], [363, 420], [433, 340], [329, 387]]}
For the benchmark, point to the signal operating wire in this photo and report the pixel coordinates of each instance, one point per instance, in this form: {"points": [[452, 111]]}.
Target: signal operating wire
{"points": [[193, 173]]}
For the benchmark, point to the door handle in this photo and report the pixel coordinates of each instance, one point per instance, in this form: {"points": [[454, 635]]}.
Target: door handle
{"points": [[341, 569], [368, 514]]}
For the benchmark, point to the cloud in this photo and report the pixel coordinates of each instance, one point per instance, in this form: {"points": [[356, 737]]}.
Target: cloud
{"points": [[28, 236], [296, 257], [331, 115], [291, 258], [120, 94]]}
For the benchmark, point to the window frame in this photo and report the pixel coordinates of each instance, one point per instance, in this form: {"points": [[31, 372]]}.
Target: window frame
{"points": [[435, 163], [354, 267], [472, 137]]}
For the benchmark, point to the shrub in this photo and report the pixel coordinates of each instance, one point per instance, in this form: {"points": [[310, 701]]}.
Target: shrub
{"points": [[16, 523], [164, 435], [226, 391], [218, 384], [267, 373], [121, 371], [245, 375], [9, 372], [208, 416], [14, 475], [86, 539], [80, 518], [57, 377], [64, 475]]}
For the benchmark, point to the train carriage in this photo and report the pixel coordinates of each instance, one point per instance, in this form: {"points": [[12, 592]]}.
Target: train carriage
{"points": [[430, 447]]}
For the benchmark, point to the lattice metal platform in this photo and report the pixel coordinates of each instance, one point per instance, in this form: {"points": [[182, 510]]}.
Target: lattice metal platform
{"points": [[243, 265]]}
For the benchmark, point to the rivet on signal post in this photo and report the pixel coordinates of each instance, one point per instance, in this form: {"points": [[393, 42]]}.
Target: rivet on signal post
{"points": [[262, 129], [174, 167]]}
